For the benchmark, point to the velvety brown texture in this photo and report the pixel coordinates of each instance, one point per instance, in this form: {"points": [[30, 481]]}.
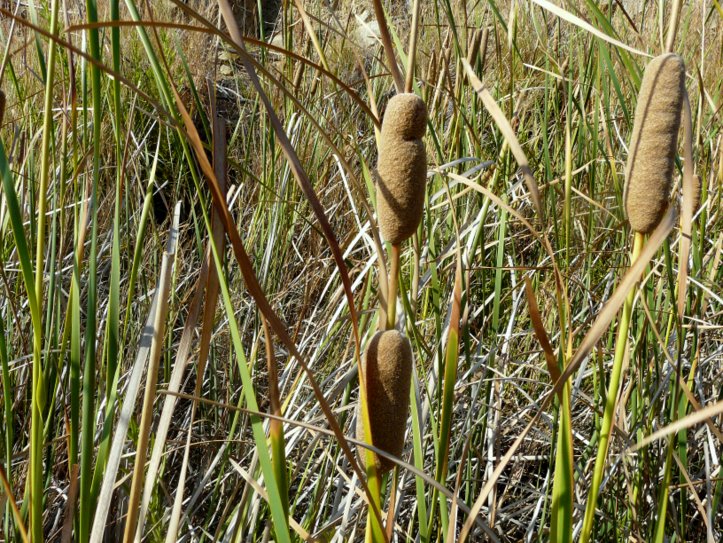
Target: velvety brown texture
{"points": [[402, 167], [405, 117], [654, 142], [2, 106], [387, 367], [697, 187]]}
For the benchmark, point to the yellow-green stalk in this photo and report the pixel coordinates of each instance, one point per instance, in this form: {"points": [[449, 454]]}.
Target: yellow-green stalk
{"points": [[649, 177]]}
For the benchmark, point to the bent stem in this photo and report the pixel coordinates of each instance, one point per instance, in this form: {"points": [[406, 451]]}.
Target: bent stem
{"points": [[607, 422], [276, 427]]}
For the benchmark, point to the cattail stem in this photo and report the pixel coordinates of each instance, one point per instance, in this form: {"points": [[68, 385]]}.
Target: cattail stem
{"points": [[673, 25], [276, 427], [374, 530], [393, 287], [387, 44], [611, 400], [392, 503]]}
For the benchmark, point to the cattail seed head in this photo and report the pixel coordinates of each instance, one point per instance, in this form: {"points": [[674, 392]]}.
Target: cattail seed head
{"points": [[653, 146], [402, 167], [697, 187], [387, 367], [2, 106], [405, 117]]}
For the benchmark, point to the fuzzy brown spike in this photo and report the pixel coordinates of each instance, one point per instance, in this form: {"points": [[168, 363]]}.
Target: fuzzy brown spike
{"points": [[406, 117], [402, 167], [387, 367], [654, 142], [2, 107], [697, 187]]}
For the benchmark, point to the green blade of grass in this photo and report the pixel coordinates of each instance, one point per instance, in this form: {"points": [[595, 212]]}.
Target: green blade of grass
{"points": [[112, 329], [86, 505]]}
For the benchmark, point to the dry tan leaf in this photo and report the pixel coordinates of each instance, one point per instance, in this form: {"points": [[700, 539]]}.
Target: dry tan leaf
{"points": [[509, 135]]}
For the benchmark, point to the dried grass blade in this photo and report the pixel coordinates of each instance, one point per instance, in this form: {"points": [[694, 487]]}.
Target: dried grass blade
{"points": [[452, 523], [169, 404], [66, 536], [13, 506], [121, 430], [686, 217], [698, 504], [540, 332], [673, 25], [509, 135], [144, 434], [570, 18], [312, 34], [707, 412]]}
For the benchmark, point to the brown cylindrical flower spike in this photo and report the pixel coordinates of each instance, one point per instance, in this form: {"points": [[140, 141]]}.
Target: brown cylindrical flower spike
{"points": [[2, 106], [387, 367], [697, 187], [654, 143], [402, 167]]}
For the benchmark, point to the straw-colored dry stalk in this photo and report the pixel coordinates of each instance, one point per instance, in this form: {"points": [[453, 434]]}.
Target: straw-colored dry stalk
{"points": [[402, 167], [654, 143], [387, 367], [432, 69]]}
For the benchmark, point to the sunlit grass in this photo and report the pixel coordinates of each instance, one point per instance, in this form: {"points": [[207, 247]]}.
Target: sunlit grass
{"points": [[252, 314]]}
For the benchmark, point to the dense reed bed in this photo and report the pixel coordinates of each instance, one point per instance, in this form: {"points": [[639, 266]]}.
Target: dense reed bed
{"points": [[374, 270]]}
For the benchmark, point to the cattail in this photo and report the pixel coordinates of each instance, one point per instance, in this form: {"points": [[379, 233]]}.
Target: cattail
{"points": [[402, 167], [653, 146], [697, 187], [387, 367], [2, 107]]}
